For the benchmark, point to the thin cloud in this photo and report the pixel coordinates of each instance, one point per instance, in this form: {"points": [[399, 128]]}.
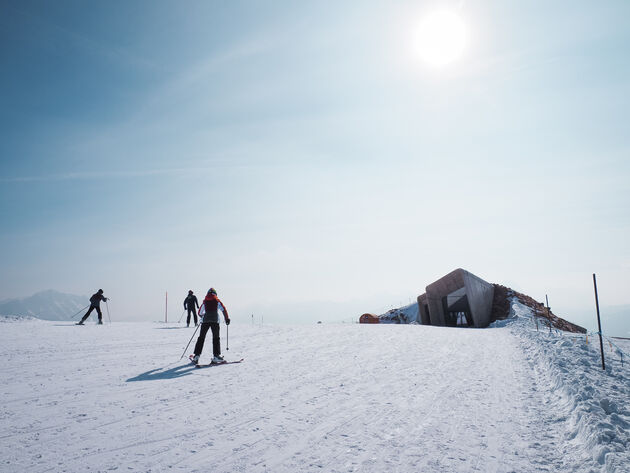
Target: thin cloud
{"points": [[91, 175], [100, 175]]}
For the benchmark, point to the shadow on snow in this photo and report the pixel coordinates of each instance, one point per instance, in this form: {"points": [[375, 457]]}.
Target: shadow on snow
{"points": [[160, 373]]}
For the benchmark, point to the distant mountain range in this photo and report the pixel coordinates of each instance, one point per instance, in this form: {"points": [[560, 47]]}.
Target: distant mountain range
{"points": [[46, 305]]}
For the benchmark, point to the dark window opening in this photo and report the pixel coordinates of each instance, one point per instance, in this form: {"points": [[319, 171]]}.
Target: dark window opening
{"points": [[457, 311]]}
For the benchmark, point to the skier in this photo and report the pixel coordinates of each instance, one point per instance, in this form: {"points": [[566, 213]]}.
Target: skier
{"points": [[95, 303], [189, 304], [210, 320]]}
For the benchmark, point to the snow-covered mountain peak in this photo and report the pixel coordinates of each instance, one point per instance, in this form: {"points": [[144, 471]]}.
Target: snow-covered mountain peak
{"points": [[48, 305]]}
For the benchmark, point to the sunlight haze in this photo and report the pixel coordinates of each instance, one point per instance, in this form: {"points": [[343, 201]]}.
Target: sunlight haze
{"points": [[441, 38]]}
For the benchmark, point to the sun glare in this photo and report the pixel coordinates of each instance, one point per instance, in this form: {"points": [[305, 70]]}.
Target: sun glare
{"points": [[441, 38]]}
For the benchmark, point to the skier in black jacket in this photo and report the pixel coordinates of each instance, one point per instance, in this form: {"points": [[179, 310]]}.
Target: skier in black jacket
{"points": [[95, 303], [191, 304]]}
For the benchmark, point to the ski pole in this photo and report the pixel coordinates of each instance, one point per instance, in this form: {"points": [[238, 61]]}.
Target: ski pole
{"points": [[227, 338], [190, 341], [80, 310], [180, 319], [107, 307]]}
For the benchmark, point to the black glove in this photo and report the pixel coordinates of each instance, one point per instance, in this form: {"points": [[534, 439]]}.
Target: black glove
{"points": [[227, 321]]}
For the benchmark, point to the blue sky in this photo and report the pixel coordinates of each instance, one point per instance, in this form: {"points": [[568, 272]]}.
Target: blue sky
{"points": [[299, 157]]}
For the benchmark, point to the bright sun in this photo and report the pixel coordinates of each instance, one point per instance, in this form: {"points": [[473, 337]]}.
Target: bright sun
{"points": [[441, 38]]}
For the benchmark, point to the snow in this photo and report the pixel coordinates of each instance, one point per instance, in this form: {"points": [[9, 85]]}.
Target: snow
{"points": [[407, 314], [596, 401], [331, 398]]}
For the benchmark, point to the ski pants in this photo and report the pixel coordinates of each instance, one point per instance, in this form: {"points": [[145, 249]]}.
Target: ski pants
{"points": [[216, 342], [87, 314], [191, 310]]}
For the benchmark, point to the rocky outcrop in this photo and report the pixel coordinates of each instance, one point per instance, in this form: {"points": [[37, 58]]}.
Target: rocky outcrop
{"points": [[501, 309]]}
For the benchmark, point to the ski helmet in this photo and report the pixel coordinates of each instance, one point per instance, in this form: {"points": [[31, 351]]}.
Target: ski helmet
{"points": [[190, 292], [212, 291], [100, 291]]}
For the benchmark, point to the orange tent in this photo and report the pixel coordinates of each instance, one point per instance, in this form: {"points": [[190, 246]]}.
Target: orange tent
{"points": [[369, 319]]}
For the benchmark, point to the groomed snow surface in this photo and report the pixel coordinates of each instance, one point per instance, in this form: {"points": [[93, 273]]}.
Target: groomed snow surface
{"points": [[329, 398]]}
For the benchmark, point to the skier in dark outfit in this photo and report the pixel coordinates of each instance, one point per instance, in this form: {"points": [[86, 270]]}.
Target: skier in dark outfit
{"points": [[95, 303], [189, 303], [211, 305]]}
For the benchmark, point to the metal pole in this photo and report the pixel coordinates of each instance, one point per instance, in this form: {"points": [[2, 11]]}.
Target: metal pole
{"points": [[180, 319], [548, 313], [227, 338], [193, 335], [107, 307], [599, 323], [80, 310]]}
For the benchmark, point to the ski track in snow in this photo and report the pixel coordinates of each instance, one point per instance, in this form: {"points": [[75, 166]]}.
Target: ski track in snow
{"points": [[328, 398]]}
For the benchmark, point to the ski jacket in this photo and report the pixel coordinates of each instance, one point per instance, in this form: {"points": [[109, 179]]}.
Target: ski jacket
{"points": [[211, 306], [190, 302], [95, 300]]}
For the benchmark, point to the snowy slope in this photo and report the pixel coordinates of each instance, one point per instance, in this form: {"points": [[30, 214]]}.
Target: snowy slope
{"points": [[331, 398], [47, 305]]}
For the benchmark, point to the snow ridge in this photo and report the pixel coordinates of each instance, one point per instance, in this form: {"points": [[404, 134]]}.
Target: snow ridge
{"points": [[592, 403], [7, 319]]}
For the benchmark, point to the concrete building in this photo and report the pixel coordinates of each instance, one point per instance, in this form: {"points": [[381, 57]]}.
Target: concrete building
{"points": [[458, 299], [423, 310]]}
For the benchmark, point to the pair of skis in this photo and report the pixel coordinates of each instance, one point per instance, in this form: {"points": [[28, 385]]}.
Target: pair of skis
{"points": [[208, 365]]}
